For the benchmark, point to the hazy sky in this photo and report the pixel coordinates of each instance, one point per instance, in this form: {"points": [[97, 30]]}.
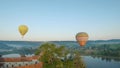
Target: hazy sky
{"points": [[60, 19]]}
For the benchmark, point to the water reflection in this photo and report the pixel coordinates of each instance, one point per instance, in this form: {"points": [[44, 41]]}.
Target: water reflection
{"points": [[101, 62], [107, 59]]}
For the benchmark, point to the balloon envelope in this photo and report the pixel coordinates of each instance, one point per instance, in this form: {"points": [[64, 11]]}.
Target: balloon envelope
{"points": [[82, 38], [23, 29]]}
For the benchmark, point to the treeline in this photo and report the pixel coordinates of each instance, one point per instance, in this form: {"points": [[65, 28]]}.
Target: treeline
{"points": [[111, 50], [22, 51]]}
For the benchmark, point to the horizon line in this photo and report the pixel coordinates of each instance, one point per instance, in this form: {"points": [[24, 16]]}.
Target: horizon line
{"points": [[58, 40]]}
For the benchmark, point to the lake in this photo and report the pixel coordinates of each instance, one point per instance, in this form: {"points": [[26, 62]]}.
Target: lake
{"points": [[92, 62]]}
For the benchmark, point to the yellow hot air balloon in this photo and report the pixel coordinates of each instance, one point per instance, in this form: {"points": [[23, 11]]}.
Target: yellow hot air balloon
{"points": [[82, 38], [23, 29]]}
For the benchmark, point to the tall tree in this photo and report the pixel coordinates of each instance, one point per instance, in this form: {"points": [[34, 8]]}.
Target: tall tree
{"points": [[54, 56]]}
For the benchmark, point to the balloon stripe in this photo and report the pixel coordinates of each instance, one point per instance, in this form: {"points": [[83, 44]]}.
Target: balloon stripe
{"points": [[82, 38]]}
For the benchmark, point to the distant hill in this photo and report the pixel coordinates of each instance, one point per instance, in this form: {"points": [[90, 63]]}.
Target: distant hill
{"points": [[31, 46], [4, 46], [112, 41], [20, 43], [7, 47]]}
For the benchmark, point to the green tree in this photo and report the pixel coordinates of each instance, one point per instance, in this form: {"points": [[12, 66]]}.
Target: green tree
{"points": [[78, 63], [54, 56]]}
